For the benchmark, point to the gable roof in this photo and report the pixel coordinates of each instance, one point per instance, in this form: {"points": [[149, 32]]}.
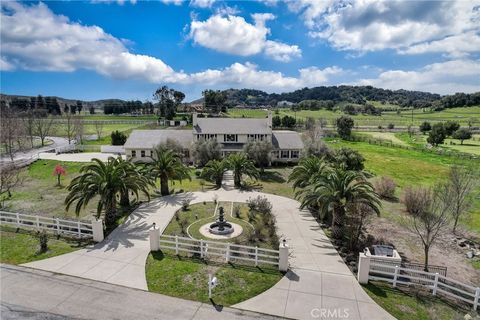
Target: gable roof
{"points": [[232, 126], [147, 139], [284, 139]]}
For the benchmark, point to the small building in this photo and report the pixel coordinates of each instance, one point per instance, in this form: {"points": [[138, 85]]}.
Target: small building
{"points": [[231, 134]]}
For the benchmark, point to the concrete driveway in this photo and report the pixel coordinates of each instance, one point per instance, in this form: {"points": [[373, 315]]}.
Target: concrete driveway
{"points": [[318, 278]]}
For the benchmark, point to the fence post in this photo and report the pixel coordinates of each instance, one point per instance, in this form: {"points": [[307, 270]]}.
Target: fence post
{"points": [[435, 284], [58, 225], [97, 230], [176, 244], [38, 221], [154, 235], [227, 253], [256, 256], [395, 275], [201, 248], [363, 268], [476, 300], [283, 256], [78, 229], [18, 220]]}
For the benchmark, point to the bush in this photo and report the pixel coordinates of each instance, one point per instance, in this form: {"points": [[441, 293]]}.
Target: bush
{"points": [[416, 200], [385, 187], [344, 126], [236, 211], [349, 158], [391, 126], [260, 204], [118, 138], [185, 204], [42, 241]]}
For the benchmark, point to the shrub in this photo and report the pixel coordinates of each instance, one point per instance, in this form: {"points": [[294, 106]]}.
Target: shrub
{"points": [[118, 138], [183, 223], [385, 187], [198, 173], [416, 200], [260, 204], [391, 126], [236, 211], [185, 204], [344, 126], [42, 241]]}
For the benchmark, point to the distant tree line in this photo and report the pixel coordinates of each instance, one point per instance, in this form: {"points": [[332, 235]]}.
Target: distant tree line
{"points": [[132, 107]]}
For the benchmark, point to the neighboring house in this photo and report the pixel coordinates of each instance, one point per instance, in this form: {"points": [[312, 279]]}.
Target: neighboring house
{"points": [[231, 134]]}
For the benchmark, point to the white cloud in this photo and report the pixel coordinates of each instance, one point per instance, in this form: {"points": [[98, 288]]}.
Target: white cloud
{"points": [[174, 2], [454, 46], [369, 25], [442, 77], [202, 3], [119, 2], [232, 34]]}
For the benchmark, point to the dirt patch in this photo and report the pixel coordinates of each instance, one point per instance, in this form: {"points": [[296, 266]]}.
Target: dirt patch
{"points": [[444, 253]]}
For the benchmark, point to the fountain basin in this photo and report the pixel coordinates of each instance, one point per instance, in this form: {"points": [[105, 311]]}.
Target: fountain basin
{"points": [[236, 231]]}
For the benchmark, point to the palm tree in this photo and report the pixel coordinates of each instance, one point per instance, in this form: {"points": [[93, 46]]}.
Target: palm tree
{"points": [[240, 165], [335, 190], [306, 171], [135, 179], [167, 165], [213, 171], [105, 180]]}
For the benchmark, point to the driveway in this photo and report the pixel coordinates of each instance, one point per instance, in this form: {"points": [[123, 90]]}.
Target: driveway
{"points": [[318, 278], [35, 294], [57, 142]]}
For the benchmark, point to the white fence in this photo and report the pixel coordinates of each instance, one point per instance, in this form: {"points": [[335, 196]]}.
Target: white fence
{"points": [[81, 229], [227, 252], [377, 270]]}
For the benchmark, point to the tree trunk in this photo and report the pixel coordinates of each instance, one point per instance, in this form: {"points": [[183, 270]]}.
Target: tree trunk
{"points": [[237, 180], [218, 182], [58, 180], [426, 250], [164, 186], [455, 223], [111, 214], [337, 222], [124, 199]]}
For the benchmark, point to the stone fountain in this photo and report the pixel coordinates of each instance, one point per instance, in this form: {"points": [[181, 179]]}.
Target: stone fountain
{"points": [[221, 226]]}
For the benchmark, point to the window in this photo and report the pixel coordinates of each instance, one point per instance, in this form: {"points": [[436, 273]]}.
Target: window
{"points": [[275, 154], [294, 154], [284, 154], [230, 138], [134, 153], [142, 153]]}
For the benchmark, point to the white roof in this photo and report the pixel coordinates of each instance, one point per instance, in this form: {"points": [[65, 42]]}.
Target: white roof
{"points": [[147, 139], [284, 139]]}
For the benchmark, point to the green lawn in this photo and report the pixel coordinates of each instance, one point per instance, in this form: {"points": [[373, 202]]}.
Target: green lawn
{"points": [[404, 118], [274, 181], [420, 140], [22, 247], [187, 278], [405, 305]]}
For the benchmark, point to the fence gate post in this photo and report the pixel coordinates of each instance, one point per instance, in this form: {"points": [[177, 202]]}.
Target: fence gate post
{"points": [[435, 284], [477, 297], [176, 245], [97, 230], [18, 220], [201, 248], [283, 256], [363, 268], [395, 275], [227, 253], [37, 218], [58, 225], [154, 235], [78, 229], [256, 256]]}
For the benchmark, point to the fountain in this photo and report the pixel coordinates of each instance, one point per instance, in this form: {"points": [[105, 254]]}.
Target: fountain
{"points": [[221, 226]]}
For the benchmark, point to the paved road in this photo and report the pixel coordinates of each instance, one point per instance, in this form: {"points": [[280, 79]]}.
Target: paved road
{"points": [[35, 294], [57, 142]]}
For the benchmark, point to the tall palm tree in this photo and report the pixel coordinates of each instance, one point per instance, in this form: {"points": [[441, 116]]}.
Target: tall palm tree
{"points": [[240, 165], [213, 171], [167, 165], [335, 190], [135, 179], [306, 171], [105, 180]]}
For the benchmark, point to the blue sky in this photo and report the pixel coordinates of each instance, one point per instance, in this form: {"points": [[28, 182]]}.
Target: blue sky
{"points": [[125, 49]]}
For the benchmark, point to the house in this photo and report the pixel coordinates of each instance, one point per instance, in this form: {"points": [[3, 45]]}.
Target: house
{"points": [[231, 134]]}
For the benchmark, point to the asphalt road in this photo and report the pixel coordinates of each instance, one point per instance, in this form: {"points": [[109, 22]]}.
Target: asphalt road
{"points": [[33, 294]]}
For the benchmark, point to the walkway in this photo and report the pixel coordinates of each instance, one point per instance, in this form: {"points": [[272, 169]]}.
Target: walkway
{"points": [[318, 280], [34, 294]]}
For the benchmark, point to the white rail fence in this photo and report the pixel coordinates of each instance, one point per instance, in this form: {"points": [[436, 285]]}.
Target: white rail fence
{"points": [[370, 269], [76, 228], [223, 251]]}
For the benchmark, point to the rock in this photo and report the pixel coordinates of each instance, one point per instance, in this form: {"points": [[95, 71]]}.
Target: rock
{"points": [[467, 317], [470, 254]]}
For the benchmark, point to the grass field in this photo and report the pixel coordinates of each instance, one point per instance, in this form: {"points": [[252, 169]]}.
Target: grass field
{"points": [[404, 118], [471, 146], [187, 278], [405, 305], [22, 246]]}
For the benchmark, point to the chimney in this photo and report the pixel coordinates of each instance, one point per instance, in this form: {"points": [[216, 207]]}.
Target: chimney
{"points": [[194, 119]]}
